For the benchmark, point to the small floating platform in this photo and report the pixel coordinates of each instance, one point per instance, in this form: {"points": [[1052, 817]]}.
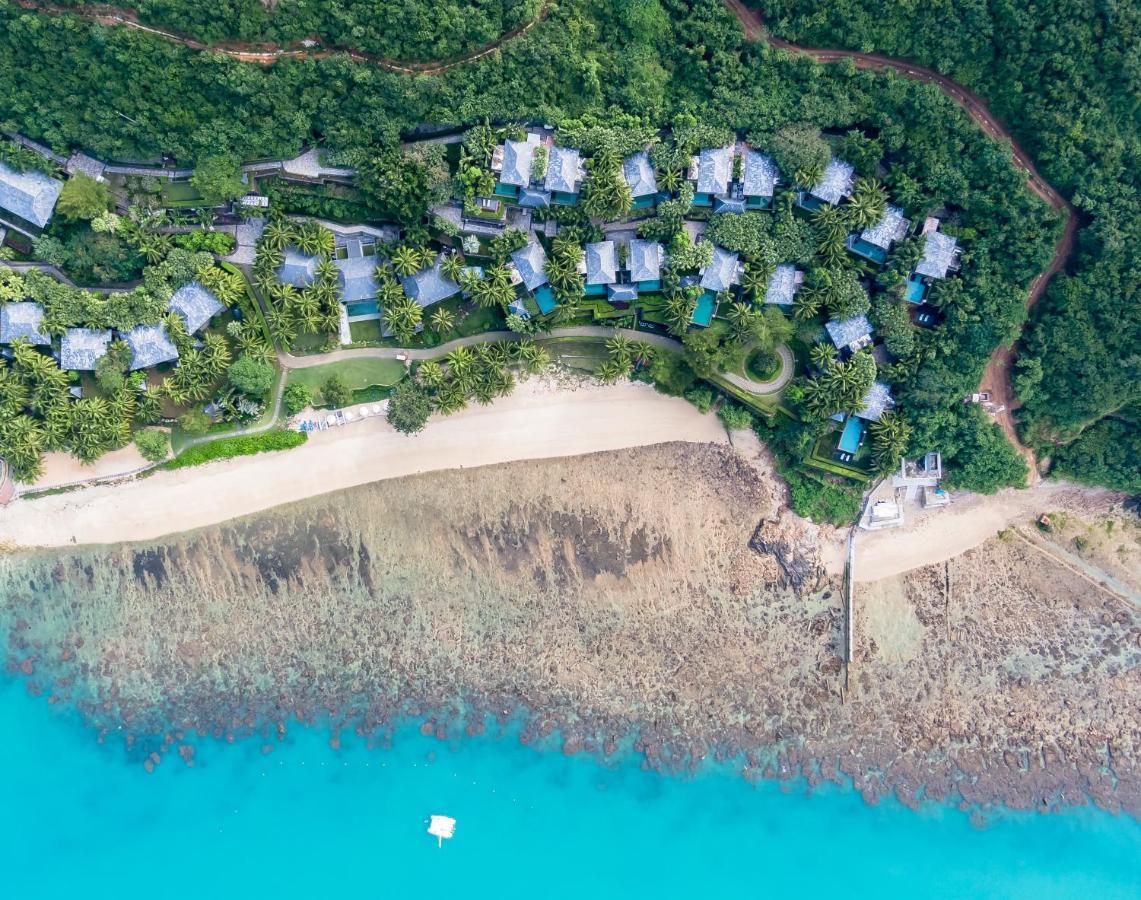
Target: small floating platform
{"points": [[441, 827]]}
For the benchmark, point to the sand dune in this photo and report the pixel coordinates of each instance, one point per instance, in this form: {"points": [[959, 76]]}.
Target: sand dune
{"points": [[538, 421]]}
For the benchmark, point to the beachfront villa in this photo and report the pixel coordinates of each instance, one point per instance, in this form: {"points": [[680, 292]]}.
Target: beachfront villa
{"points": [[644, 261], [297, 268], [195, 304], [529, 263], [150, 346], [430, 285], [760, 177], [27, 199], [876, 242], [877, 401], [601, 268], [783, 285], [23, 321], [850, 334], [837, 183], [564, 174], [723, 272], [638, 172], [81, 348]]}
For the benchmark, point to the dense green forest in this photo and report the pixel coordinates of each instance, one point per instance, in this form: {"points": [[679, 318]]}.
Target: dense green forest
{"points": [[1067, 77], [122, 94], [395, 29]]}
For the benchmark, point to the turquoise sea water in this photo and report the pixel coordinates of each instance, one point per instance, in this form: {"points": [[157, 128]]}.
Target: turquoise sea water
{"points": [[306, 821]]}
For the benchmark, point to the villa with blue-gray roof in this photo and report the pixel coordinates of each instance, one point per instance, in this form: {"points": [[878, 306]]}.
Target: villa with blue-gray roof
{"points": [[644, 261], [565, 173], [430, 285], [196, 304], [783, 285], [297, 268], [512, 161], [874, 243], [81, 348], [759, 179], [23, 321], [601, 261], [850, 334], [711, 172], [27, 199], [150, 345], [835, 184], [638, 171]]}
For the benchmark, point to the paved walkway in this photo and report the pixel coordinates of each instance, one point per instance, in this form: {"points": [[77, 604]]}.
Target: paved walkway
{"points": [[773, 386]]}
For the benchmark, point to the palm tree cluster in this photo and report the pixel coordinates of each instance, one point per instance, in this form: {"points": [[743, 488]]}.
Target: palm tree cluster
{"points": [[890, 436], [563, 271], [200, 369], [482, 372], [493, 288], [314, 309], [606, 195], [841, 386], [623, 356]]}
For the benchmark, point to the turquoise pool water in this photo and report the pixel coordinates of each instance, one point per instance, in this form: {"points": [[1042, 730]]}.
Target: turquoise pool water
{"points": [[362, 308], [545, 299], [916, 291], [703, 312], [310, 822], [850, 437]]}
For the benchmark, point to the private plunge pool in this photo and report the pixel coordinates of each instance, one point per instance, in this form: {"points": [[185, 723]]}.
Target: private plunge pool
{"points": [[360, 308], [703, 312]]}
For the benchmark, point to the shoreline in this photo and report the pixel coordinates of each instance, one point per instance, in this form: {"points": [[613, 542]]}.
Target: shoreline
{"points": [[541, 419]]}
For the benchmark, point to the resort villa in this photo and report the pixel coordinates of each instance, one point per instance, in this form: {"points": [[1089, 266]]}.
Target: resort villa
{"points": [[837, 182], [711, 171], [759, 179], [81, 348], [27, 199], [195, 304], [940, 258], [877, 401], [430, 285], [530, 265], [150, 346], [722, 273], [564, 174], [638, 171], [600, 265], [297, 268], [876, 242], [644, 261], [23, 321], [850, 334], [783, 285], [512, 161]]}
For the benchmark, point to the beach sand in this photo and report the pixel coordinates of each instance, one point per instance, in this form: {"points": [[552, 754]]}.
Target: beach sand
{"points": [[542, 418]]}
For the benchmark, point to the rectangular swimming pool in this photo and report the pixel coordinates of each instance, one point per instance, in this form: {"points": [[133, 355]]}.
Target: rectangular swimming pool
{"points": [[916, 290], [545, 299], [706, 306], [851, 436], [362, 308]]}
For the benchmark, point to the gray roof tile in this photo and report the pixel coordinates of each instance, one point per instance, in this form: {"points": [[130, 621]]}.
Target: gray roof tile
{"points": [[30, 195], [644, 260], [195, 304], [760, 175], [721, 273], [150, 345], [531, 262], [836, 183], [564, 170], [23, 320], [80, 348], [639, 174], [601, 263], [714, 169], [783, 284], [846, 331], [940, 255], [891, 228]]}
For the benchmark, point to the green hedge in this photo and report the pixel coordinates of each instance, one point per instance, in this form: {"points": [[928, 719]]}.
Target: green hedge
{"points": [[243, 445]]}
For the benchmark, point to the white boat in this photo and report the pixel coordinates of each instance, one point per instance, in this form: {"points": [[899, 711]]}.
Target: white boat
{"points": [[441, 827]]}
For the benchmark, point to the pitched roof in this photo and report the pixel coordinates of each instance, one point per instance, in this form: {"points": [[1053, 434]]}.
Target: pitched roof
{"points": [[531, 262], [877, 401], [846, 331], [532, 198], [639, 174], [429, 285], [195, 304], [356, 273], [939, 255], [760, 175], [80, 348], [644, 260], [564, 170], [721, 273], [729, 205], [517, 158], [601, 263], [297, 268], [30, 195], [23, 320], [783, 284], [622, 292], [150, 345], [891, 228], [714, 169], [836, 182]]}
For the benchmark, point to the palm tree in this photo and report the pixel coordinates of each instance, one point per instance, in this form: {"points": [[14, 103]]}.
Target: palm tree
{"points": [[405, 260], [277, 235], [460, 363], [533, 357], [442, 321], [822, 356], [867, 205], [621, 350], [610, 371], [679, 312], [451, 266], [402, 317], [216, 352], [890, 436], [755, 281], [669, 179], [22, 444], [326, 272], [643, 353]]}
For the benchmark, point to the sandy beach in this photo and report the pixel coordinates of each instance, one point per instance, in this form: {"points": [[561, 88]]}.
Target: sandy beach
{"points": [[538, 421]]}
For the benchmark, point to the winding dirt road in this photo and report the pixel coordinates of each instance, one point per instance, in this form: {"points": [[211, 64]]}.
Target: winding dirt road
{"points": [[996, 377], [265, 53]]}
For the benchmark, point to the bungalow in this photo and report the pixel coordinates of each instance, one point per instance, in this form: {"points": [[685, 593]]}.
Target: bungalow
{"points": [[940, 252], [530, 265], [23, 320], [81, 348], [564, 172], [355, 260], [643, 183], [783, 284], [601, 261], [644, 261], [722, 273], [430, 285], [760, 180], [513, 161], [28, 198], [874, 243], [150, 345], [297, 268], [877, 401], [711, 172], [835, 184], [850, 334], [195, 304]]}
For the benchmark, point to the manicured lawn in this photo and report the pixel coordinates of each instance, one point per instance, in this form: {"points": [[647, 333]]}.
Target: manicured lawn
{"points": [[366, 332], [357, 373], [181, 193]]}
